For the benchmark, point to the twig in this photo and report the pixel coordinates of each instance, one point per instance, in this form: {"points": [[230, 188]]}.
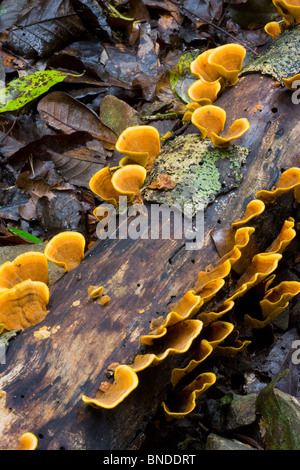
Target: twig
{"points": [[9, 130]]}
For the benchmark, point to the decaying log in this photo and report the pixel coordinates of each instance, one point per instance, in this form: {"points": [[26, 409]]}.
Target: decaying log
{"points": [[45, 379]]}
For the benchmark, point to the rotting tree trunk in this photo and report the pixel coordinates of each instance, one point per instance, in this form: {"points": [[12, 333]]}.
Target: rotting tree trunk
{"points": [[44, 379]]}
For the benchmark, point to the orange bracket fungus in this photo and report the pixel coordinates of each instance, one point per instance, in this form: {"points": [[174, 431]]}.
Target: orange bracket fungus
{"points": [[95, 291], [288, 181], [30, 265], [227, 60], [24, 305], [125, 381], [290, 82], [177, 340], [128, 181], [28, 441], [210, 120], [101, 184], [202, 69], [289, 10], [253, 209], [66, 249], [204, 93], [273, 29], [140, 144], [186, 398]]}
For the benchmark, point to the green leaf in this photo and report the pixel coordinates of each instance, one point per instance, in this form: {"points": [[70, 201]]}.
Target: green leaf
{"points": [[25, 89], [25, 235], [280, 417]]}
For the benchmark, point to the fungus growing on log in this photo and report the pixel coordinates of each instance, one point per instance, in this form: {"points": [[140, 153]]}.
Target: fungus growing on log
{"points": [[95, 291], [253, 209], [140, 144], [288, 181], [186, 398], [289, 10], [128, 180], [101, 184], [210, 120], [125, 381], [273, 29], [290, 82], [30, 265], [24, 305], [204, 93], [66, 249], [203, 69], [28, 441], [227, 60]]}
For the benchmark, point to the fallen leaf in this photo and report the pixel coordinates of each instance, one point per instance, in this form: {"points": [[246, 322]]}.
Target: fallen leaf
{"points": [[67, 114]]}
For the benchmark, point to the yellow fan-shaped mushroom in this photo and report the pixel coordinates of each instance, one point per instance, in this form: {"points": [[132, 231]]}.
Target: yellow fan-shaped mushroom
{"points": [[101, 184], [125, 381], [24, 305], [28, 441], [66, 249], [202, 69], [30, 265], [227, 60], [290, 83], [140, 144], [289, 10], [273, 29], [204, 92], [209, 119], [236, 130], [128, 180]]}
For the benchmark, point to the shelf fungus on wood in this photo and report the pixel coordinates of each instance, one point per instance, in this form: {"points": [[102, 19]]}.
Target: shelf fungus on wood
{"points": [[140, 144], [66, 249], [28, 441], [253, 209], [227, 60], [210, 120], [288, 181], [273, 303], [204, 93], [101, 185], [24, 305], [273, 29], [125, 381], [177, 340], [29, 265], [289, 10], [184, 401], [128, 180]]}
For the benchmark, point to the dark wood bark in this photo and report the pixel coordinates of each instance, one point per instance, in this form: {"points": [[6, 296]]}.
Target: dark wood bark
{"points": [[44, 380]]}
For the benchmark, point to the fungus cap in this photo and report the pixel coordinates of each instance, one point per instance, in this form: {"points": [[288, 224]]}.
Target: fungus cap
{"points": [[30, 265], [24, 305], [125, 381], [101, 184], [289, 10], [129, 179], [290, 83], [209, 119], [28, 441], [204, 93], [141, 144], [202, 69], [273, 29], [236, 130], [66, 249], [227, 61]]}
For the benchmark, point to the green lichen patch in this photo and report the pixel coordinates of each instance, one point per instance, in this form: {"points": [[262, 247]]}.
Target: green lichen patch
{"points": [[281, 59], [200, 170]]}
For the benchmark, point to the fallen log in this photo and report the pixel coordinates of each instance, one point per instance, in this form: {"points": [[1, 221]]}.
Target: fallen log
{"points": [[44, 380]]}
